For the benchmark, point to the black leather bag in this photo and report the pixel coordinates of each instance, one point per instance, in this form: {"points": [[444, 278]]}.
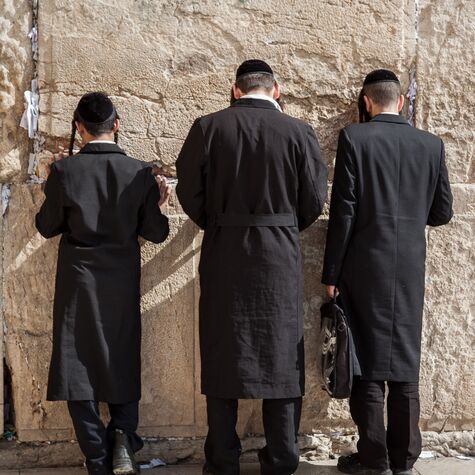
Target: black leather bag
{"points": [[336, 351]]}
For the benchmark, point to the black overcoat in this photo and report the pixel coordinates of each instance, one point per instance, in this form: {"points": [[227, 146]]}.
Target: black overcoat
{"points": [[390, 182], [100, 200], [252, 178]]}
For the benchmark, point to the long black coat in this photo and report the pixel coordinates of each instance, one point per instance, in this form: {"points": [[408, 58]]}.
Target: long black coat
{"points": [[252, 177], [100, 200], [390, 182]]}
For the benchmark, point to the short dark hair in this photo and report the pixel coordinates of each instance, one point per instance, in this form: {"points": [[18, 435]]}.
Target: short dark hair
{"points": [[97, 129], [251, 81], [97, 113], [383, 93]]}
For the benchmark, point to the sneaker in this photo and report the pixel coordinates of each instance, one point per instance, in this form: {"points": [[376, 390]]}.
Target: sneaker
{"points": [[351, 464], [123, 459]]}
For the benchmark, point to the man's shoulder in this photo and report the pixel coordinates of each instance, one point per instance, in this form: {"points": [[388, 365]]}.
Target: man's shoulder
{"points": [[368, 130], [276, 117], [80, 160]]}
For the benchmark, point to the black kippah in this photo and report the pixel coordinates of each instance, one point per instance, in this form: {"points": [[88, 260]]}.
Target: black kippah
{"points": [[95, 108], [380, 75], [252, 66]]}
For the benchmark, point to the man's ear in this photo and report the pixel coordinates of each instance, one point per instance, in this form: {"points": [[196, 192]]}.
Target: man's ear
{"points": [[276, 91], [368, 104], [400, 103], [237, 92], [116, 125], [80, 128]]}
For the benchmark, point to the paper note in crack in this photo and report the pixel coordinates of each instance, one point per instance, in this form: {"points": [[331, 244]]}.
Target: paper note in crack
{"points": [[29, 119], [33, 35], [5, 198]]}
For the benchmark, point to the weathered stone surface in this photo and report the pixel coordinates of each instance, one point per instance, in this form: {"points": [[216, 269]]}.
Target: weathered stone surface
{"points": [[15, 77], [167, 62], [449, 334], [168, 289], [29, 269], [178, 450], [446, 85]]}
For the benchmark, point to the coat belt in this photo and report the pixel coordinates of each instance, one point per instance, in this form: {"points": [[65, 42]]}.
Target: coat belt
{"points": [[254, 220]]}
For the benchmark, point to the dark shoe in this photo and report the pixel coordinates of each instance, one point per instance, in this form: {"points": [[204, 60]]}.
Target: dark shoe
{"points": [[99, 471], [403, 471], [123, 459], [207, 470], [351, 464]]}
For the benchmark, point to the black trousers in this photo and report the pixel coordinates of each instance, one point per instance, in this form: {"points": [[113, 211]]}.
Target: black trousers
{"points": [[95, 439], [401, 442], [281, 419]]}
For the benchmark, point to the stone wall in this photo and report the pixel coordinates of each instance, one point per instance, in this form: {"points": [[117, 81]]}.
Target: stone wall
{"points": [[165, 63]]}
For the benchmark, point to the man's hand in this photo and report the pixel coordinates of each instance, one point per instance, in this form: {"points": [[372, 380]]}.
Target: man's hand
{"points": [[332, 291], [55, 157], [165, 192]]}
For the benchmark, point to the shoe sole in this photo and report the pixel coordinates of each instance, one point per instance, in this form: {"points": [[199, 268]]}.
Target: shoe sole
{"points": [[361, 472], [124, 471]]}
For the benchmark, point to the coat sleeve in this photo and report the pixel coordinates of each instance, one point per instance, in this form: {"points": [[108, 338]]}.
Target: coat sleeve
{"points": [[191, 173], [441, 209], [312, 182], [343, 210], [153, 225], [50, 220]]}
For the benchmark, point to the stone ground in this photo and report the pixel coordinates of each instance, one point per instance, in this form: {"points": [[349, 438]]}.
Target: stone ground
{"points": [[441, 466]]}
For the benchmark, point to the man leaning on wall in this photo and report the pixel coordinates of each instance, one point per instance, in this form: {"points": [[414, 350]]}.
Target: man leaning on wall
{"points": [[252, 178], [390, 182], [100, 201]]}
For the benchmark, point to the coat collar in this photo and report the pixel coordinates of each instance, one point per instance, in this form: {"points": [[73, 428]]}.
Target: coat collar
{"points": [[101, 147], [395, 119], [251, 102]]}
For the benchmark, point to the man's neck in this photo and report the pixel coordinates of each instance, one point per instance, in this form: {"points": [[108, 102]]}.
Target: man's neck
{"points": [[389, 110], [259, 92], [98, 138]]}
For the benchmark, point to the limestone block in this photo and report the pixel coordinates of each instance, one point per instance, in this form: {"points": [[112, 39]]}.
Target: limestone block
{"points": [[15, 77], [168, 291], [445, 79], [166, 63], [448, 334], [29, 275], [168, 288], [464, 200]]}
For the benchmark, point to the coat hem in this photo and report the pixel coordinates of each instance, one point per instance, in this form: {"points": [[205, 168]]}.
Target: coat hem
{"points": [[388, 376], [93, 397], [285, 392]]}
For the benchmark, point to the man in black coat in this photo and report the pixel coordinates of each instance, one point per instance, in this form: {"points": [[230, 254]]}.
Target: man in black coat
{"points": [[100, 201], [252, 178], [390, 182]]}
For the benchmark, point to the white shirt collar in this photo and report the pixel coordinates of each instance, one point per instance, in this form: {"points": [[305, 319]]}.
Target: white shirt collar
{"points": [[102, 141], [264, 98], [389, 113]]}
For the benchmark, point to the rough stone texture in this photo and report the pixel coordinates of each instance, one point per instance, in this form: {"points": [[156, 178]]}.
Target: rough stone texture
{"points": [[166, 62], [180, 58], [15, 76], [179, 450], [446, 96]]}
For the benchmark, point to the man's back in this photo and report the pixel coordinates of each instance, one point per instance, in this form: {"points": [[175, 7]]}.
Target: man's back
{"points": [[255, 156], [252, 177], [104, 195], [397, 169], [390, 182]]}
